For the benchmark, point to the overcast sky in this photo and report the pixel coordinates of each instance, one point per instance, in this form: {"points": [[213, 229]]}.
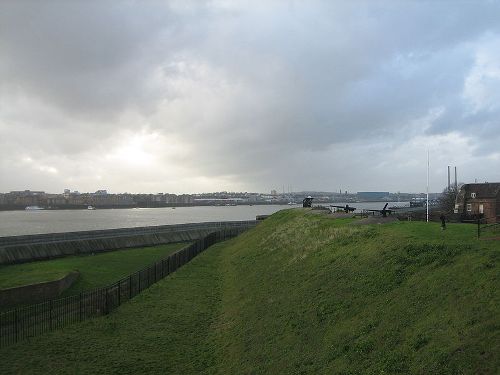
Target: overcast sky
{"points": [[143, 96]]}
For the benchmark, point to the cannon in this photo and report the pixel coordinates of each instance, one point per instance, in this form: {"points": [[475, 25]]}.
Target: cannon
{"points": [[384, 211], [346, 209]]}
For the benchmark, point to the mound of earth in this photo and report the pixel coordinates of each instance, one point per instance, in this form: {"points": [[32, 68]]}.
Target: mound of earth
{"points": [[375, 220], [341, 215]]}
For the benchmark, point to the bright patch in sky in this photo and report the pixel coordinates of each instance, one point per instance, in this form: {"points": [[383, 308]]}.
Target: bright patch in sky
{"points": [[134, 150]]}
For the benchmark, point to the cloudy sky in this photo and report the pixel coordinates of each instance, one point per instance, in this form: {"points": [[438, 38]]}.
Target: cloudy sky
{"points": [[178, 96]]}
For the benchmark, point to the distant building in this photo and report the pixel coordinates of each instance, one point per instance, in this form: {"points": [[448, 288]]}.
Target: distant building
{"points": [[307, 201], [479, 201], [25, 193], [372, 195], [66, 193]]}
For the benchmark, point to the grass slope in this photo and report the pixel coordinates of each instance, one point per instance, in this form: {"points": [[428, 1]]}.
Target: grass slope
{"points": [[301, 294], [95, 270]]}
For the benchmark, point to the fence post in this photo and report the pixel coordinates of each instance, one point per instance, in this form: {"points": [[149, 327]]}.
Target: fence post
{"points": [[16, 324], [50, 315], [81, 312], [129, 286], [106, 302]]}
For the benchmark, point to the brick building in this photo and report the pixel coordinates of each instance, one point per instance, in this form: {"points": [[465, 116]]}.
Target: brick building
{"points": [[479, 200]]}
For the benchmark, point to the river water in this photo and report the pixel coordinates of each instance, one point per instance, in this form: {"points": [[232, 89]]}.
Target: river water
{"points": [[14, 223]]}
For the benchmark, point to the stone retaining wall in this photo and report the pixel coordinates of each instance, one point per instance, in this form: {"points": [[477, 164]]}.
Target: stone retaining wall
{"points": [[36, 292], [21, 249]]}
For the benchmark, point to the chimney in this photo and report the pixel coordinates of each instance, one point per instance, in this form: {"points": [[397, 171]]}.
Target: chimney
{"points": [[456, 184], [449, 178]]}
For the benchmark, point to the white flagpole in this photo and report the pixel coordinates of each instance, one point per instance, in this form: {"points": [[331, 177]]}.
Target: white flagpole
{"points": [[427, 186]]}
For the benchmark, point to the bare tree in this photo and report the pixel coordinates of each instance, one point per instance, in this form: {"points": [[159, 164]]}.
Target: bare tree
{"points": [[448, 198]]}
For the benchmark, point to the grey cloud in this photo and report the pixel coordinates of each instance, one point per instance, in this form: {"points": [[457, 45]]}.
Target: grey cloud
{"points": [[254, 92], [83, 57]]}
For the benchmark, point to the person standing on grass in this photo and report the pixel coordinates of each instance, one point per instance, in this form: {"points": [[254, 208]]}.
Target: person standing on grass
{"points": [[443, 221]]}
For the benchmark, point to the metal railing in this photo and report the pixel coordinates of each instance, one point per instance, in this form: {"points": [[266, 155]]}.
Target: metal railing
{"points": [[483, 226], [33, 320], [492, 229]]}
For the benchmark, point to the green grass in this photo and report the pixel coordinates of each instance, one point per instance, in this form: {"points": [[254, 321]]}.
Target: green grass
{"points": [[95, 270], [300, 294]]}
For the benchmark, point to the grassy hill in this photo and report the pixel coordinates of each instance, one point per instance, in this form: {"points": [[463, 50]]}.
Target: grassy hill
{"points": [[300, 294]]}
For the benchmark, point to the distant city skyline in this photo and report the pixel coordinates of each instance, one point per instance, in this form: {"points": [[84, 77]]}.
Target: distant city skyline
{"points": [[270, 193], [277, 191], [191, 97]]}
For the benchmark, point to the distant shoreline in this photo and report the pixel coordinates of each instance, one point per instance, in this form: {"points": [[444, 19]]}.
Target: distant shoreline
{"points": [[172, 205], [166, 205]]}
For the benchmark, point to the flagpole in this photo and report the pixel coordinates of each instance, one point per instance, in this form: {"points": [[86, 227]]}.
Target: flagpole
{"points": [[427, 186]]}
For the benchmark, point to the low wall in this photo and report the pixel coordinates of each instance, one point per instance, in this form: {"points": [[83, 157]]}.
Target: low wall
{"points": [[36, 292], [21, 249]]}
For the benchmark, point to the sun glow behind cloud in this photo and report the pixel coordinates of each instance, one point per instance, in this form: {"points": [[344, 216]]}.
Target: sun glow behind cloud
{"points": [[135, 150]]}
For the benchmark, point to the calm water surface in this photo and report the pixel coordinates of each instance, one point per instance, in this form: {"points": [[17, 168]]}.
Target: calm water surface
{"points": [[14, 223]]}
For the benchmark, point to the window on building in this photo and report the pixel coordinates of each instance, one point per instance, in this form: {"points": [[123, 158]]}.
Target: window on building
{"points": [[469, 207], [473, 195]]}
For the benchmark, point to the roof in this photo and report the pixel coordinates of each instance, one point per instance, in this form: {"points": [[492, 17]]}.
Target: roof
{"points": [[484, 190]]}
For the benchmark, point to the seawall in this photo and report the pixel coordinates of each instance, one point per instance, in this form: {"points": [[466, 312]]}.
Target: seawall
{"points": [[21, 249]]}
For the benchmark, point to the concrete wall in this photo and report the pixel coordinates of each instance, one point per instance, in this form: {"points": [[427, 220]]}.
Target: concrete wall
{"points": [[20, 249], [36, 292]]}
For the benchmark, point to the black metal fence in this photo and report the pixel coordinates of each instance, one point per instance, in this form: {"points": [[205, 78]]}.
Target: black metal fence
{"points": [[33, 320], [488, 231], [484, 230]]}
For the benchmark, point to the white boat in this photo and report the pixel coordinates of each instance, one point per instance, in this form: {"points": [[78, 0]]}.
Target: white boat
{"points": [[90, 208], [34, 208]]}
